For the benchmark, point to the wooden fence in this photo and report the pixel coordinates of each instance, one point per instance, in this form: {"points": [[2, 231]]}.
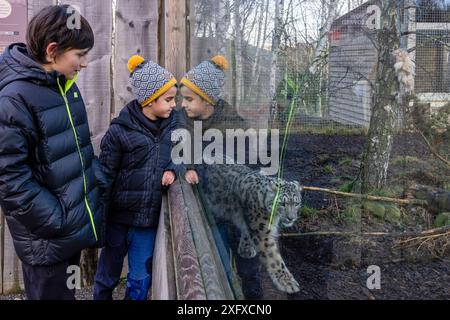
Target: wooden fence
{"points": [[186, 263]]}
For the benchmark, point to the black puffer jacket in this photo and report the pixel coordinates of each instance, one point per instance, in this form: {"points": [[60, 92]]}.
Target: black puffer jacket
{"points": [[135, 152], [48, 188]]}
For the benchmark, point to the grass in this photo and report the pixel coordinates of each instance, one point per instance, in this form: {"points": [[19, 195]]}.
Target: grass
{"points": [[351, 214], [308, 211], [347, 187], [334, 130], [391, 192], [328, 169], [408, 161], [346, 162]]}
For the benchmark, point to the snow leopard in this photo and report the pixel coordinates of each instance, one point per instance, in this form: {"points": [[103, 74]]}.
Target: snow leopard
{"points": [[237, 194]]}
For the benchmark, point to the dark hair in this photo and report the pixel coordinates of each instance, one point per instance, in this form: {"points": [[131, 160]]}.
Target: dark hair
{"points": [[51, 25]]}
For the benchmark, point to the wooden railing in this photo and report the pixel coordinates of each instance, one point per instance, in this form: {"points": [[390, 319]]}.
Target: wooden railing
{"points": [[187, 265]]}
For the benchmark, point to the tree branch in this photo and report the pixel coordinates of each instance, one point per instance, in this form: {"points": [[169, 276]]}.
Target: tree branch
{"points": [[368, 197]]}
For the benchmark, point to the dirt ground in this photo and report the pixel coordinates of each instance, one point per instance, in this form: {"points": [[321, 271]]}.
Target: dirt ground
{"points": [[332, 267]]}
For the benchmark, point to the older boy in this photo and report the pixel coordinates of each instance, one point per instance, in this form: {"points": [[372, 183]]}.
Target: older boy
{"points": [[48, 179]]}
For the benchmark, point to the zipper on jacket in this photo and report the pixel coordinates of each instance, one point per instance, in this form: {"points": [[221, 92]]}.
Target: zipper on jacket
{"points": [[63, 93]]}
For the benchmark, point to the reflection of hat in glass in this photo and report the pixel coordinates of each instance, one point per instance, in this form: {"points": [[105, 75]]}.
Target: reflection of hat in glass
{"points": [[207, 79]]}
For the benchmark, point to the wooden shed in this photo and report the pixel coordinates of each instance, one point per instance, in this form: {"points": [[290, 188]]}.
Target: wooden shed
{"points": [[353, 57]]}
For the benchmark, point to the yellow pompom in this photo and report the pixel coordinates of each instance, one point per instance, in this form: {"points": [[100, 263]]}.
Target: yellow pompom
{"points": [[134, 61], [221, 62]]}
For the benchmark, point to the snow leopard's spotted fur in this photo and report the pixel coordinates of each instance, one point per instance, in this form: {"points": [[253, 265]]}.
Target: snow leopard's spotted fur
{"points": [[236, 193]]}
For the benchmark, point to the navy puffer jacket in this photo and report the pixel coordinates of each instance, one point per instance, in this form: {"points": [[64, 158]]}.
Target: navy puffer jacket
{"points": [[49, 176], [135, 152]]}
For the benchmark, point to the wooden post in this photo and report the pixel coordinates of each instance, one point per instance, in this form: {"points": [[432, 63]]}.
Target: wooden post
{"points": [[175, 39], [136, 33], [12, 267]]}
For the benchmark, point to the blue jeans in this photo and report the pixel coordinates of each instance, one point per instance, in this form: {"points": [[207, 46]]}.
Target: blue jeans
{"points": [[139, 243]]}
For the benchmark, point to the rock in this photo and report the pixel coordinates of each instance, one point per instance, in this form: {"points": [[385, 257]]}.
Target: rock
{"points": [[438, 199], [442, 220], [392, 213], [376, 209]]}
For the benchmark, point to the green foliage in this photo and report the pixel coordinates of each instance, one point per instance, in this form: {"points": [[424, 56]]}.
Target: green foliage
{"points": [[442, 220], [328, 169], [352, 214], [346, 162], [347, 187], [390, 192], [308, 211]]}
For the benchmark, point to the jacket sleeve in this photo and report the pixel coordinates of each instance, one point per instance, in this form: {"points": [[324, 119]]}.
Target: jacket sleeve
{"points": [[110, 158], [99, 175], [21, 195], [176, 168]]}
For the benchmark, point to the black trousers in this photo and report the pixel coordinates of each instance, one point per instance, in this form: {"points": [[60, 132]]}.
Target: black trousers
{"points": [[49, 282]]}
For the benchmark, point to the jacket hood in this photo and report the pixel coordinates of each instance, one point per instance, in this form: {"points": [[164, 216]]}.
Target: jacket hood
{"points": [[16, 64]]}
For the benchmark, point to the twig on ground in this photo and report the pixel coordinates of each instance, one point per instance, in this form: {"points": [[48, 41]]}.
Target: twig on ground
{"points": [[368, 197]]}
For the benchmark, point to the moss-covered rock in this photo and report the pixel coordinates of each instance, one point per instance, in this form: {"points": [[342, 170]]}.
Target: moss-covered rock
{"points": [[442, 220], [443, 201], [374, 208], [392, 213]]}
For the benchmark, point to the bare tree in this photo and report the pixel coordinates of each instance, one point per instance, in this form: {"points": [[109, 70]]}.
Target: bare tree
{"points": [[331, 10], [238, 71], [276, 40], [385, 106]]}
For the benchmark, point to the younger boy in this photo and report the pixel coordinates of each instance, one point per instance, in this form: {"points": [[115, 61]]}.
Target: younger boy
{"points": [[135, 154]]}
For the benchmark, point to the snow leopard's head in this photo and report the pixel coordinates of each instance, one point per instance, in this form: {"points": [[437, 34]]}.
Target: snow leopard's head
{"points": [[289, 201]]}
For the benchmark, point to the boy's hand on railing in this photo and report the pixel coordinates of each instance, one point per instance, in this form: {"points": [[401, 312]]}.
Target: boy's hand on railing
{"points": [[168, 178], [191, 177]]}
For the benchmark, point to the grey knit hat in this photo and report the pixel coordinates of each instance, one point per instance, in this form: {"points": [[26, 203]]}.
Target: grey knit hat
{"points": [[207, 79], [148, 80]]}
